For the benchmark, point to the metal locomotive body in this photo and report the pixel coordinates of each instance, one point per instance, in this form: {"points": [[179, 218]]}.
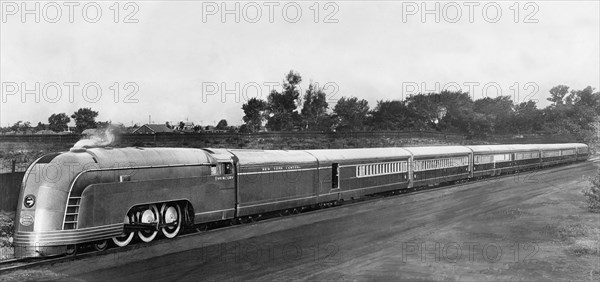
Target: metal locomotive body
{"points": [[99, 194]]}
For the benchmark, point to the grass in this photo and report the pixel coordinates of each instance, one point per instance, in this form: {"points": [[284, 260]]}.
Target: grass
{"points": [[570, 231]]}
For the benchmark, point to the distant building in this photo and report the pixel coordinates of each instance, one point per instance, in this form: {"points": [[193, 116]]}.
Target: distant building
{"points": [[153, 129], [188, 127]]}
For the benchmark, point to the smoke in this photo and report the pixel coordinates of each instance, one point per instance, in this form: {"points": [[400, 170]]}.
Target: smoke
{"points": [[98, 139]]}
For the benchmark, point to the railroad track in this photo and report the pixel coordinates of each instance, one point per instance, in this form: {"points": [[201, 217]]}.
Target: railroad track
{"points": [[87, 251]]}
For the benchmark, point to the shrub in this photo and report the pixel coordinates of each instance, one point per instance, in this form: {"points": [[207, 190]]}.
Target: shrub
{"points": [[6, 229], [593, 194]]}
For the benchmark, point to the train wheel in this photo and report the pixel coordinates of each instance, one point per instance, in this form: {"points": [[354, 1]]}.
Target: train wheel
{"points": [[101, 245], [123, 241], [171, 214], [150, 215], [71, 250]]}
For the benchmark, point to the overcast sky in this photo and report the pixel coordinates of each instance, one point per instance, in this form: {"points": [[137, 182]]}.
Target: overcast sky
{"points": [[178, 51]]}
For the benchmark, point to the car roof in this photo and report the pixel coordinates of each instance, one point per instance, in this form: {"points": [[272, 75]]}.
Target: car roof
{"points": [[438, 150], [359, 154], [258, 157], [502, 148]]}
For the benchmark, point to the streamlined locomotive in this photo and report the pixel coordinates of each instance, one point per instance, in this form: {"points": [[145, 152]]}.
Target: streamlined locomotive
{"points": [[112, 195]]}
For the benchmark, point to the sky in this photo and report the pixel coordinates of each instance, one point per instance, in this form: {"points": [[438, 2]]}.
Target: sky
{"points": [[182, 60]]}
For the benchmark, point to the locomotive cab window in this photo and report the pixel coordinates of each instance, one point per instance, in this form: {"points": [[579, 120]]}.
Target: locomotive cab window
{"points": [[335, 175], [215, 170], [227, 168]]}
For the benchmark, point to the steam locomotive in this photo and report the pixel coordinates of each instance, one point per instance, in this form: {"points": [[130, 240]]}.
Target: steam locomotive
{"points": [[107, 195]]}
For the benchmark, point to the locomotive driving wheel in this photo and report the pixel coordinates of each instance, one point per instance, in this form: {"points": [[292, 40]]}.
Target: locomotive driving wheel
{"points": [[123, 241], [149, 215], [170, 214]]}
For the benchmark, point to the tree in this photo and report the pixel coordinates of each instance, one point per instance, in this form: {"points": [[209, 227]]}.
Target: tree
{"points": [[84, 118], [558, 93], [244, 128], [455, 112], [527, 118], [314, 110], [181, 125], [20, 126], [282, 106], [351, 114], [423, 110], [480, 125], [40, 126], [499, 112], [575, 115], [222, 125], [254, 114], [58, 122], [389, 115]]}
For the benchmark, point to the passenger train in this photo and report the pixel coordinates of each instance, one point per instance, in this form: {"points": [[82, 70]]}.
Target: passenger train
{"points": [[98, 196]]}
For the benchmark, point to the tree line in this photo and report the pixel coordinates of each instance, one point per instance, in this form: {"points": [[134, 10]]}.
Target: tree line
{"points": [[85, 118], [59, 122], [572, 112]]}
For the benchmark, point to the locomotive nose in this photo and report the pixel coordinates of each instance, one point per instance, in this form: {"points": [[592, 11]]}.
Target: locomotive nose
{"points": [[41, 206], [36, 217]]}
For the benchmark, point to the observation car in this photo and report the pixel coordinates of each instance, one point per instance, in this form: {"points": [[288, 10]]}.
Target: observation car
{"points": [[102, 195]]}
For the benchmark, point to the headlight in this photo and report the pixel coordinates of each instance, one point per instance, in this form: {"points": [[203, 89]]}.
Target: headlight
{"points": [[29, 201]]}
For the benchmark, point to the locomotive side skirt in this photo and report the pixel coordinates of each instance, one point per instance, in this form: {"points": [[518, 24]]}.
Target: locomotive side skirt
{"points": [[275, 187]]}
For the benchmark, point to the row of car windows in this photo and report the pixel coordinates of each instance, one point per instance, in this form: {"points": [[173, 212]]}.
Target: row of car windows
{"points": [[402, 166], [441, 163], [486, 159], [381, 168], [420, 165], [527, 155]]}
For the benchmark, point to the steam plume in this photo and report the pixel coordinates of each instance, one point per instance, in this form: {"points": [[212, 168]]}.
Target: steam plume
{"points": [[98, 139]]}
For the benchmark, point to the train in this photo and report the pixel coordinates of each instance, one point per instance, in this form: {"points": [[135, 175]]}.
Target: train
{"points": [[103, 195]]}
